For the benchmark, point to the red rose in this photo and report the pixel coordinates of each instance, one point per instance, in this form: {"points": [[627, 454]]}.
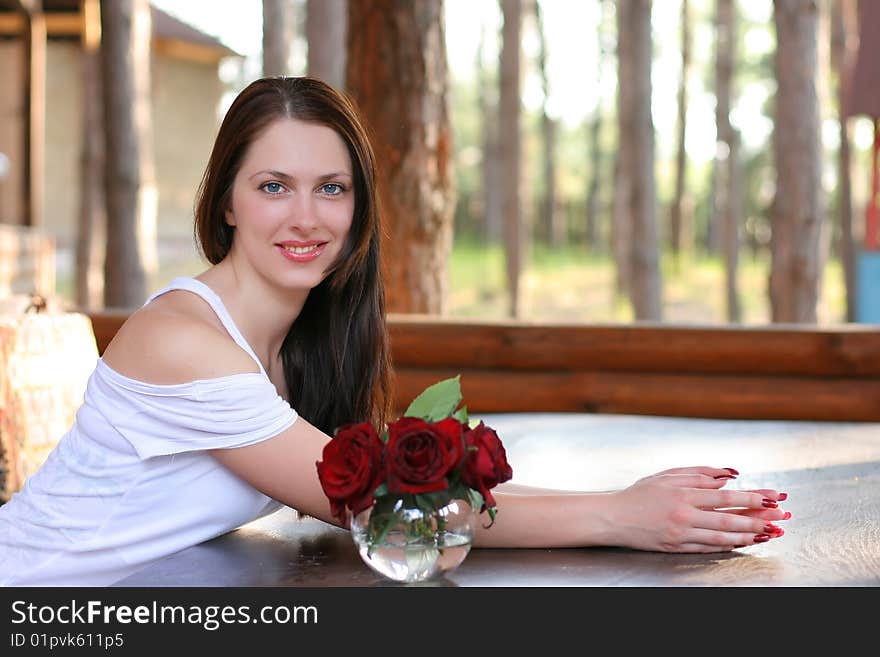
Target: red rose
{"points": [[421, 454], [486, 466], [352, 468]]}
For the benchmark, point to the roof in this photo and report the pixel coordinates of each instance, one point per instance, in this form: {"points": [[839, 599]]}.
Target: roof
{"points": [[165, 26]]}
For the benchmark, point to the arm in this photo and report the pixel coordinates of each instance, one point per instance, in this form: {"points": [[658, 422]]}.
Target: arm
{"points": [[163, 346], [283, 468], [679, 510]]}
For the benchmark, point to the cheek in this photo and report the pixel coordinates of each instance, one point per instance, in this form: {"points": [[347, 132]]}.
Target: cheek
{"points": [[251, 213], [339, 217]]}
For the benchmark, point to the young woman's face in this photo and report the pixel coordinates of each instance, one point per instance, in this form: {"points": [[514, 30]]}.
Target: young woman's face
{"points": [[292, 203]]}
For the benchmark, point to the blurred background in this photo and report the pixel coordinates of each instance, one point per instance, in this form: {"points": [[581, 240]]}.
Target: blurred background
{"points": [[686, 161]]}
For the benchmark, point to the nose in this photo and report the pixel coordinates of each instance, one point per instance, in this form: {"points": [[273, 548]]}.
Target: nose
{"points": [[303, 213]]}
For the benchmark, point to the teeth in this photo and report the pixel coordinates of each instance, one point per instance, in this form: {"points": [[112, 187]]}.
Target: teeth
{"points": [[301, 249]]}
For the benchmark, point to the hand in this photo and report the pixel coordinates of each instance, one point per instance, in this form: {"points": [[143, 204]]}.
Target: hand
{"points": [[685, 510]]}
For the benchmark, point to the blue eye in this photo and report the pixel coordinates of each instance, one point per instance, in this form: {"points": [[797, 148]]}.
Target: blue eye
{"points": [[272, 187], [332, 189]]}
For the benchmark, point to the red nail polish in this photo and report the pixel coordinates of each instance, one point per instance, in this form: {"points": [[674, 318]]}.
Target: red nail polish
{"points": [[725, 477], [770, 504], [769, 528], [732, 471], [782, 497], [761, 538], [787, 515], [779, 532]]}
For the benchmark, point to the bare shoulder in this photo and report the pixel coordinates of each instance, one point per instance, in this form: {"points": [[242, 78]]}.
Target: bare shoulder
{"points": [[176, 338]]}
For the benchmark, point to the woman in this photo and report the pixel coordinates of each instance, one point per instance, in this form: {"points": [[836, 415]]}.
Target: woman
{"points": [[188, 427]]}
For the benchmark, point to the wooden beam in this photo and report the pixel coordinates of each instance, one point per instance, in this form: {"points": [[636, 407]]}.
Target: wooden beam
{"points": [[649, 393], [770, 372], [89, 19], [68, 24], [776, 349]]}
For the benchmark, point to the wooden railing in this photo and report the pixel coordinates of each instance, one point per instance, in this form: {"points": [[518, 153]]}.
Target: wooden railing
{"points": [[768, 372]]}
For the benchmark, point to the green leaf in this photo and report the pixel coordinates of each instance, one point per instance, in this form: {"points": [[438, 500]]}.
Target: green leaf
{"points": [[476, 499], [381, 490], [461, 415], [437, 401]]}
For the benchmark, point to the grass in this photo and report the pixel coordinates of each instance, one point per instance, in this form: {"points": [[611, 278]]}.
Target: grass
{"points": [[570, 285]]}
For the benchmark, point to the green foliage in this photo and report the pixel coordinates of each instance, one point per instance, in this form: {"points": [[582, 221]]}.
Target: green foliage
{"points": [[437, 401]]}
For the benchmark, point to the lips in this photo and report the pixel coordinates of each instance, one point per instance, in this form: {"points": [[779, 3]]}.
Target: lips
{"points": [[301, 251]]}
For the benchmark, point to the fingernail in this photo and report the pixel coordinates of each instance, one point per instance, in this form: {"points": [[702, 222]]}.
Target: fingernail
{"points": [[782, 497], [761, 538], [787, 515], [770, 528], [779, 532], [770, 504], [732, 471], [725, 477]]}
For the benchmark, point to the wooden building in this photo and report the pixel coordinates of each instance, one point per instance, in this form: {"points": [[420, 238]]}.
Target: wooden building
{"points": [[41, 101]]}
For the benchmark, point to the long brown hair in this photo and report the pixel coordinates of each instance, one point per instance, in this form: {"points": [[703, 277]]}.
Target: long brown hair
{"points": [[336, 357]]}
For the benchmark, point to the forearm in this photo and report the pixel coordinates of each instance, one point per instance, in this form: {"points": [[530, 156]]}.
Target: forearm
{"points": [[546, 519], [520, 489]]}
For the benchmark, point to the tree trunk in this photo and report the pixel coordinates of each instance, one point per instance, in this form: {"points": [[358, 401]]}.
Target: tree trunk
{"points": [[491, 187], [621, 228], [90, 222], [397, 74], [676, 228], [636, 137], [550, 219], [731, 221], [727, 204], [595, 180], [509, 148], [326, 23], [593, 229], [843, 27], [797, 207], [128, 173], [277, 37]]}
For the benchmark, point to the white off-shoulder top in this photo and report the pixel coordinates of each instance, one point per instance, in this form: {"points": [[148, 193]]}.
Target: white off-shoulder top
{"points": [[132, 480]]}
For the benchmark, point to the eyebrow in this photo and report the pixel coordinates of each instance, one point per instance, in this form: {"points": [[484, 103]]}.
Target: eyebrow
{"points": [[284, 176]]}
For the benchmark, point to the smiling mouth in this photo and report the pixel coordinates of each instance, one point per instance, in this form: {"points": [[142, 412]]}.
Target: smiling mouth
{"points": [[301, 250]]}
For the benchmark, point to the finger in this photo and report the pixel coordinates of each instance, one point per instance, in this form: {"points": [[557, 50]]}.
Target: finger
{"points": [[733, 523], [763, 514], [690, 480], [722, 538], [691, 548], [770, 493], [702, 469], [727, 499]]}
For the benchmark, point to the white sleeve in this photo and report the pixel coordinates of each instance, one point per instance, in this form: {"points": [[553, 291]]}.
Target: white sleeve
{"points": [[231, 411]]}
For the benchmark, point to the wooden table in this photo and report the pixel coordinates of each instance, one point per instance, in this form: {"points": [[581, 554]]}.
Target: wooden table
{"points": [[831, 471]]}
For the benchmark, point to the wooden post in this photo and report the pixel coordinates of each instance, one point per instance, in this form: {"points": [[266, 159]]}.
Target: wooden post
{"points": [[91, 217], [34, 114]]}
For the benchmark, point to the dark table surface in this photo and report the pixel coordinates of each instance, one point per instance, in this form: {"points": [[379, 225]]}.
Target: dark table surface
{"points": [[831, 472]]}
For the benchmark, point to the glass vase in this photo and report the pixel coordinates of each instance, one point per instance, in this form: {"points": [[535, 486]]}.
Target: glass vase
{"points": [[410, 543]]}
